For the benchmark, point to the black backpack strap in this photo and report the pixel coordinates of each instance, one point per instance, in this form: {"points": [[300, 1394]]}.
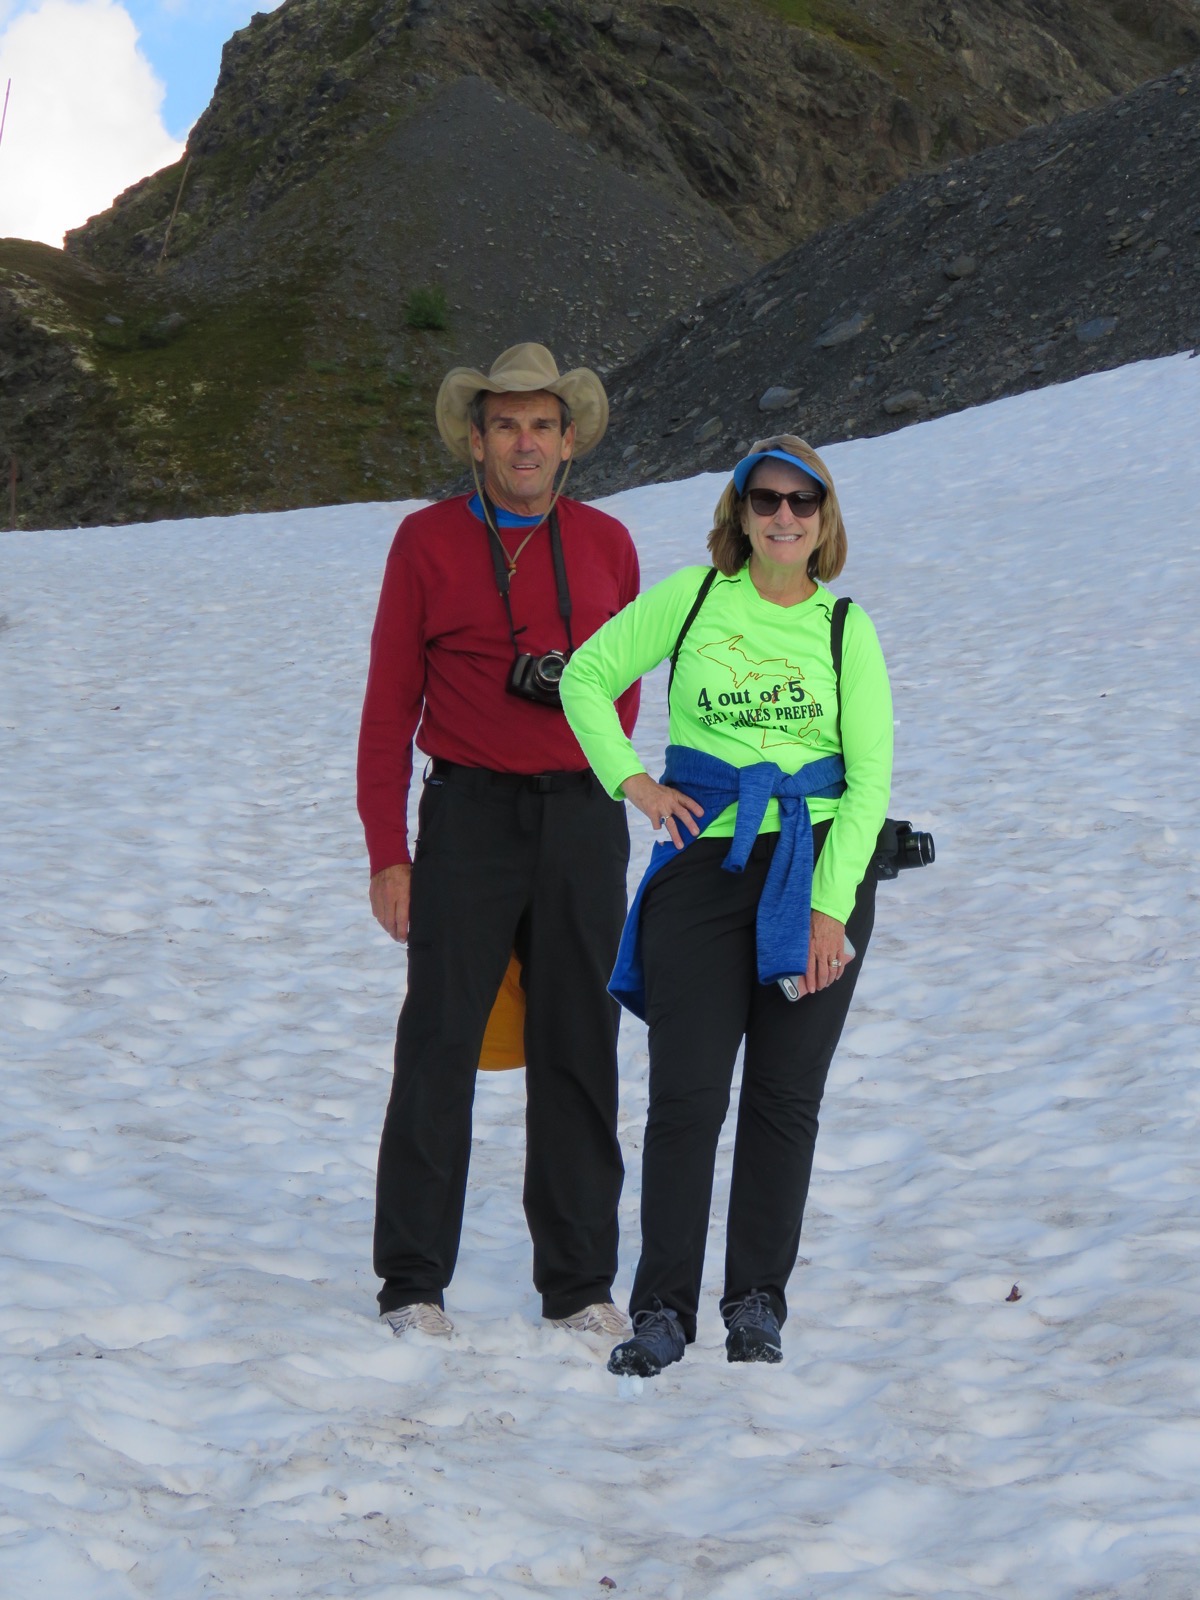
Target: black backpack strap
{"points": [[837, 629], [885, 845], [706, 584]]}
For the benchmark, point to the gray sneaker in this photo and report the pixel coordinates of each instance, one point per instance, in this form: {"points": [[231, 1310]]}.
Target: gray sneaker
{"points": [[425, 1317], [603, 1317]]}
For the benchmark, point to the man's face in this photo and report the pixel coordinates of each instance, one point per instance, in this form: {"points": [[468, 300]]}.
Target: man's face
{"points": [[520, 450]]}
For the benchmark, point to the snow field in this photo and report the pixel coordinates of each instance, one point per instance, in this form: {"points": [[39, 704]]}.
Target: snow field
{"points": [[196, 1014]]}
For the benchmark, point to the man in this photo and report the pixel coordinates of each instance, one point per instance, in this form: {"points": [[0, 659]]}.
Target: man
{"points": [[518, 847]]}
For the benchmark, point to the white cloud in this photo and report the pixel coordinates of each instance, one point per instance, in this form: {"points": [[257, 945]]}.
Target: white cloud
{"points": [[84, 119]]}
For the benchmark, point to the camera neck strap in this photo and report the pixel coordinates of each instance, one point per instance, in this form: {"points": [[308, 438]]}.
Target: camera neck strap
{"points": [[503, 570]]}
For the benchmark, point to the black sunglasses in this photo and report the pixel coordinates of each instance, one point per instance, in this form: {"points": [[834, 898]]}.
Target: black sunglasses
{"points": [[801, 502]]}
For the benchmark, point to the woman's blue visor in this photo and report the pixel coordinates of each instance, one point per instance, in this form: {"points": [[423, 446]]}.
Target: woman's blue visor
{"points": [[748, 463]]}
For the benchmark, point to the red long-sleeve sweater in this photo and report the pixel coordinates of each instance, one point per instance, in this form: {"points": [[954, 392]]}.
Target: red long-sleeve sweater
{"points": [[441, 653]]}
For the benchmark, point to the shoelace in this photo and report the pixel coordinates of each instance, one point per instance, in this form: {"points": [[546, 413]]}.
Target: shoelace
{"points": [[753, 1312], [656, 1320]]}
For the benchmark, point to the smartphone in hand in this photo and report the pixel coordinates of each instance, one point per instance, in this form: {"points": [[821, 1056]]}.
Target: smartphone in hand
{"points": [[791, 986]]}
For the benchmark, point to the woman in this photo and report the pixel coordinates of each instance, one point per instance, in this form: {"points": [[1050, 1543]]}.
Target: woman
{"points": [[764, 774]]}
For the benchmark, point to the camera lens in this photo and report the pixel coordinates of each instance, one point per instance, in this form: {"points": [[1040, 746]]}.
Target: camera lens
{"points": [[550, 669], [918, 849]]}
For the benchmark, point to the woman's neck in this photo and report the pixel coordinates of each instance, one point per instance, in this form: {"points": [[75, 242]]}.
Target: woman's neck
{"points": [[782, 586]]}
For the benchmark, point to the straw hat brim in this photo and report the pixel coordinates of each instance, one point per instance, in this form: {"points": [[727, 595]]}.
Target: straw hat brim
{"points": [[525, 369]]}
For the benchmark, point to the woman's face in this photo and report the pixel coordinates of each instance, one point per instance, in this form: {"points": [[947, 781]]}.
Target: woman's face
{"points": [[782, 541]]}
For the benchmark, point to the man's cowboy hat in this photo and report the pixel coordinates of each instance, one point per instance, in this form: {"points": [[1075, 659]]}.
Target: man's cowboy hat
{"points": [[522, 369]]}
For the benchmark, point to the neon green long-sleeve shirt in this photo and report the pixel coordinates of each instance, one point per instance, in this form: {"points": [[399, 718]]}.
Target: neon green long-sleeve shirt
{"points": [[754, 682]]}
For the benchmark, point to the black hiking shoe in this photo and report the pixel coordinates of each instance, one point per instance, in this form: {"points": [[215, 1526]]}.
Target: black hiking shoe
{"points": [[753, 1330], [657, 1341]]}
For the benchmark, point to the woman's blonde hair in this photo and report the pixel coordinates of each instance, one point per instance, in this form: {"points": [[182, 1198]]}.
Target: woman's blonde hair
{"points": [[729, 543]]}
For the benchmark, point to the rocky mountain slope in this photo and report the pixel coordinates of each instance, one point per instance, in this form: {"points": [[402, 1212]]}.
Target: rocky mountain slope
{"points": [[1071, 249], [382, 188], [780, 115]]}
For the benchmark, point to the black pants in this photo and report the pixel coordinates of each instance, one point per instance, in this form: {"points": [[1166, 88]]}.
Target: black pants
{"points": [[500, 865], [703, 998]]}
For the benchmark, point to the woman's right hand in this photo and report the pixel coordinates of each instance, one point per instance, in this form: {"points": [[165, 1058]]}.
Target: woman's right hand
{"points": [[663, 806]]}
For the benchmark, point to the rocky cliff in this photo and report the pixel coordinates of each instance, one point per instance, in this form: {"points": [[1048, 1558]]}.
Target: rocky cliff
{"points": [[1068, 250], [382, 188]]}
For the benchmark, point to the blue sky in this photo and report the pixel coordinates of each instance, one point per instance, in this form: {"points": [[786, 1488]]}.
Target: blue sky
{"points": [[182, 40]]}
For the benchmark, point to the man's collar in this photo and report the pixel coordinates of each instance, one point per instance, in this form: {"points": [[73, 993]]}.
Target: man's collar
{"points": [[505, 519]]}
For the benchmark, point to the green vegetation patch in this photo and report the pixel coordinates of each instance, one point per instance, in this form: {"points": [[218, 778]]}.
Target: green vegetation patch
{"points": [[151, 332], [428, 309], [359, 33], [37, 270], [830, 19], [256, 402], [902, 60]]}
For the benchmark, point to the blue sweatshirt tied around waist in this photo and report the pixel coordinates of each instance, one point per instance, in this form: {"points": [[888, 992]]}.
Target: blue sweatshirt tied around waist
{"points": [[785, 907]]}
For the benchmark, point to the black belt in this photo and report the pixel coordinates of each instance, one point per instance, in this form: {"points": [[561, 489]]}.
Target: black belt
{"points": [[537, 782]]}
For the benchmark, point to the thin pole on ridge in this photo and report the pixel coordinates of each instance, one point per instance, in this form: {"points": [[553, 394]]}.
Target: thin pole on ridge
{"points": [[187, 167], [4, 113]]}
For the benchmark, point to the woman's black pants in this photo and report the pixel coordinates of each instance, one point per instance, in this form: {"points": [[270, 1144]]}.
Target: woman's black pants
{"points": [[703, 997]]}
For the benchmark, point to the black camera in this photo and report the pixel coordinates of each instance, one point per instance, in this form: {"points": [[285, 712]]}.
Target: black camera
{"points": [[537, 678], [901, 845]]}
